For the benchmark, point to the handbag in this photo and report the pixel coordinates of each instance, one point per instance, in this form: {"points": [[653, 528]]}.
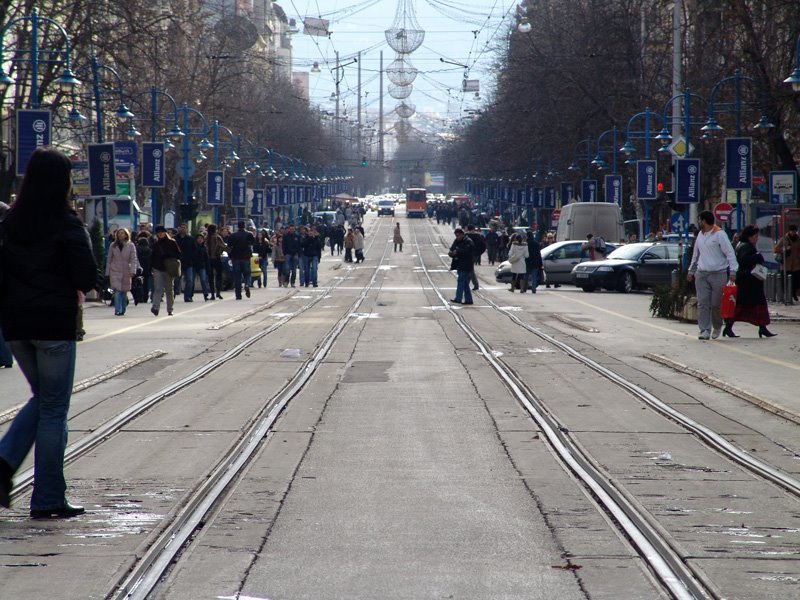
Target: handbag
{"points": [[173, 267], [759, 272], [727, 308]]}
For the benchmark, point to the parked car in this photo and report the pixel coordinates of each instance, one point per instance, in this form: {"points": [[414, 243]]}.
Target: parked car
{"points": [[558, 260], [630, 267]]}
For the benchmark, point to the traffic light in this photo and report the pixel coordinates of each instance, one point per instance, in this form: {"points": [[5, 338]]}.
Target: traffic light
{"points": [[660, 188], [363, 161], [188, 212]]}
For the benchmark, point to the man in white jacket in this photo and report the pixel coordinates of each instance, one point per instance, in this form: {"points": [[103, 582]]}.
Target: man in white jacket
{"points": [[713, 262]]}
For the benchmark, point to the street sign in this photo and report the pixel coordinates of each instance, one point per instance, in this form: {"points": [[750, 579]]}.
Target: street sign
{"points": [[678, 222], [588, 190], [678, 147], [33, 131], [738, 163], [646, 179], [687, 180], [782, 187], [239, 191], [723, 211], [613, 185], [567, 192], [125, 153], [102, 178], [153, 164], [215, 187], [258, 203]]}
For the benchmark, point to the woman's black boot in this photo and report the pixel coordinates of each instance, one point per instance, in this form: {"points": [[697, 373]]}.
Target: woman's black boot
{"points": [[764, 332]]}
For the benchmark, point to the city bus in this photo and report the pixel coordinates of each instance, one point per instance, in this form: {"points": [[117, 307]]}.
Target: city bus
{"points": [[416, 202]]}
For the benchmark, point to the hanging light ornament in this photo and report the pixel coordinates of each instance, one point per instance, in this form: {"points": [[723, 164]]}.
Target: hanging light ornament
{"points": [[400, 92], [405, 34], [401, 71], [402, 127], [405, 109]]}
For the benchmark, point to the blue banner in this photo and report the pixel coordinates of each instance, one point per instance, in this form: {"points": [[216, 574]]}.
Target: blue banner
{"points": [[588, 190], [292, 195], [126, 153], [687, 180], [153, 164], [538, 197], [613, 185], [102, 174], [33, 130], [550, 197], [258, 203], [283, 195], [215, 187], [567, 192], [738, 163], [271, 197], [646, 179], [239, 191]]}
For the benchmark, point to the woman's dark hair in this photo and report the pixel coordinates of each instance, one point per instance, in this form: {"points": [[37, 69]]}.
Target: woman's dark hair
{"points": [[748, 232], [212, 229], [43, 197]]}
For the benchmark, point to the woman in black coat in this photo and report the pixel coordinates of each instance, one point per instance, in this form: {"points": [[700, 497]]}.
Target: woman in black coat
{"points": [[41, 278], [751, 303]]}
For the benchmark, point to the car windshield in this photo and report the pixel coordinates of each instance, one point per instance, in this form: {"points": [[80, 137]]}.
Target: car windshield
{"points": [[386, 203], [629, 252]]}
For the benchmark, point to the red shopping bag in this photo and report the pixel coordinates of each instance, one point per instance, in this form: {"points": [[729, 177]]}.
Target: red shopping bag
{"points": [[727, 308]]}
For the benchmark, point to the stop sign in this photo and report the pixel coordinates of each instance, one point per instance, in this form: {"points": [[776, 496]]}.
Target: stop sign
{"points": [[722, 212]]}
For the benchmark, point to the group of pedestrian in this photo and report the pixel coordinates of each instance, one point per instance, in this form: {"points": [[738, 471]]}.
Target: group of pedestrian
{"points": [[716, 263]]}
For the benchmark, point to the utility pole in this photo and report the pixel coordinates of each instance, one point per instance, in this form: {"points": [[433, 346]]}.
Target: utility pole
{"points": [[380, 114], [358, 132], [336, 115]]}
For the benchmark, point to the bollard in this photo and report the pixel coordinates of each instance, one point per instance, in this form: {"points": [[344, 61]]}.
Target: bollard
{"points": [[674, 278], [770, 287], [789, 289], [779, 287]]}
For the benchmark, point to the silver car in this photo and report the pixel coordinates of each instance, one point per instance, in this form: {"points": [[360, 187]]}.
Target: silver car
{"points": [[558, 259]]}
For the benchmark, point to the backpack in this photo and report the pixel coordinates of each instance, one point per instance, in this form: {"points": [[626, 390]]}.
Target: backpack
{"points": [[600, 245]]}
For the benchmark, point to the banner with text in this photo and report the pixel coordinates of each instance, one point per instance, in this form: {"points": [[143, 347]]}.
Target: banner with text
{"points": [[33, 131], [153, 164], [687, 180], [239, 191], [102, 175], [646, 180], [215, 187], [738, 163]]}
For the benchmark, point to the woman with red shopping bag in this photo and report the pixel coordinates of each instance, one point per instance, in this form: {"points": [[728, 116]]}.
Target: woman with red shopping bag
{"points": [[750, 304]]}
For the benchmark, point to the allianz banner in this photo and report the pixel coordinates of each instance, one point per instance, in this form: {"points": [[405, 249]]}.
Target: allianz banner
{"points": [[33, 131], [153, 164], [738, 163], [102, 173]]}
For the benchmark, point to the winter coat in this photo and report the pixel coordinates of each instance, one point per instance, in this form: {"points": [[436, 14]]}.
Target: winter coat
{"points": [[216, 245], [534, 260], [349, 240], [121, 266], [461, 252], [517, 254], [200, 258], [240, 245], [358, 240], [277, 250], [312, 246], [42, 275], [793, 254], [164, 248], [186, 243], [397, 238], [751, 289]]}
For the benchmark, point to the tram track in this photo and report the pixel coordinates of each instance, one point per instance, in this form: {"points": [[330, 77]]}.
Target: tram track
{"points": [[696, 583]]}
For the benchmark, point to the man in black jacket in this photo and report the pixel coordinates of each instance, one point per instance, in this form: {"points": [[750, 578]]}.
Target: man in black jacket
{"points": [[291, 252], [462, 254], [478, 248], [186, 244], [533, 264], [240, 246], [312, 252]]}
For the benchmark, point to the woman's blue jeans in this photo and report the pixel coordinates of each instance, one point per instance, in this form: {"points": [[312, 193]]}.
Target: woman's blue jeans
{"points": [[120, 301], [49, 367]]}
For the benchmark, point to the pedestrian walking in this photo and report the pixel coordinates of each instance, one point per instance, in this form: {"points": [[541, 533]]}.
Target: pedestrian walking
{"points": [[240, 245], [278, 258], [201, 264], [517, 254], [492, 244], [186, 243], [349, 242], [358, 244], [478, 248], [713, 262], [143, 254], [216, 246], [6, 357], [122, 265], [751, 303], [263, 248], [42, 275], [461, 251], [787, 253], [312, 253], [533, 263], [291, 253], [166, 266], [397, 238]]}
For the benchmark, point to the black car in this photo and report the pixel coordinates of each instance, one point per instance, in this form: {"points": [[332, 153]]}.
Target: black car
{"points": [[629, 267]]}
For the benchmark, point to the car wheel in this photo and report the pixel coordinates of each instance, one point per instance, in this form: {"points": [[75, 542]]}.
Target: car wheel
{"points": [[587, 288], [627, 282]]}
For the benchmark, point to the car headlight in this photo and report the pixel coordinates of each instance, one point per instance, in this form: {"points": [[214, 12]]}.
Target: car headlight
{"points": [[605, 269]]}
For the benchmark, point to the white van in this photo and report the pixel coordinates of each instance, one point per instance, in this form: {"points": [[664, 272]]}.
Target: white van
{"points": [[579, 219]]}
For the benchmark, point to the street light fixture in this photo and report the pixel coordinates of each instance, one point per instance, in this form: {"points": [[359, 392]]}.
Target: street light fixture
{"points": [[794, 78]]}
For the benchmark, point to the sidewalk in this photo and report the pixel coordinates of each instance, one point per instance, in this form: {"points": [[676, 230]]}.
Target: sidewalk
{"points": [[778, 311]]}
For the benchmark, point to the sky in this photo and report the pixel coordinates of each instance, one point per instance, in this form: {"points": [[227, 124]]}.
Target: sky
{"points": [[464, 32]]}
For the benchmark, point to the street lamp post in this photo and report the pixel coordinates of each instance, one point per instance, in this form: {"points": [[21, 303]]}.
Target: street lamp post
{"points": [[629, 150], [574, 167], [100, 94], [202, 145], [37, 55], [231, 159], [737, 106], [794, 78], [174, 134]]}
